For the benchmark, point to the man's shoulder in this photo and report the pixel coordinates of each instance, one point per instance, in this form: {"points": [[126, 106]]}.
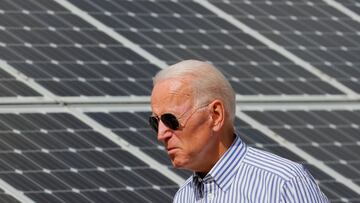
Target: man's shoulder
{"points": [[184, 188], [271, 163]]}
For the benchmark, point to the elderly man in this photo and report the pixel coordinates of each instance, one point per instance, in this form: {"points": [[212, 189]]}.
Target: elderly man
{"points": [[193, 109]]}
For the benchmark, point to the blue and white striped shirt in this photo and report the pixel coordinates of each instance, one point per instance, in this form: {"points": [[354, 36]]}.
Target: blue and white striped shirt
{"points": [[245, 174]]}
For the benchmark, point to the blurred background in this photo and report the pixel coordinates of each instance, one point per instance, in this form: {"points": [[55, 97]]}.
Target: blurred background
{"points": [[76, 76]]}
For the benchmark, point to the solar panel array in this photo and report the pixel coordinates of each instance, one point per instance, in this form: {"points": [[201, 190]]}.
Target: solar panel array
{"points": [[176, 30], [313, 30], [55, 157], [86, 66]]}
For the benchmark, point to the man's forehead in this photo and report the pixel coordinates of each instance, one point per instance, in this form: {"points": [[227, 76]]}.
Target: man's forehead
{"points": [[173, 87], [180, 86], [171, 90]]}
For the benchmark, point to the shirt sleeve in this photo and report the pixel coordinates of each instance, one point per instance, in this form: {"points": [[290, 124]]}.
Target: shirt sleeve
{"points": [[302, 189]]}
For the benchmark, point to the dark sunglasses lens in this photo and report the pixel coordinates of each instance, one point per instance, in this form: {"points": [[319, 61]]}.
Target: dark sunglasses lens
{"points": [[170, 121], [153, 122]]}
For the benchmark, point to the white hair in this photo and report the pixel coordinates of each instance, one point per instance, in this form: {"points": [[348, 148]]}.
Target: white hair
{"points": [[207, 83]]}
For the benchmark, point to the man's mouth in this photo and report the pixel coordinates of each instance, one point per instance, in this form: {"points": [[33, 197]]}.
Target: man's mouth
{"points": [[171, 149]]}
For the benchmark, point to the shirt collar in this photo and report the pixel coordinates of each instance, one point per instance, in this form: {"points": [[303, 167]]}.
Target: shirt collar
{"points": [[225, 169]]}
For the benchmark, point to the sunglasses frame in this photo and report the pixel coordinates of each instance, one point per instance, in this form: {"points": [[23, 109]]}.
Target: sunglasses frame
{"points": [[170, 120]]}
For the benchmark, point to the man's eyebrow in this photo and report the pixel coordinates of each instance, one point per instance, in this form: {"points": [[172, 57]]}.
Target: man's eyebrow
{"points": [[180, 94]]}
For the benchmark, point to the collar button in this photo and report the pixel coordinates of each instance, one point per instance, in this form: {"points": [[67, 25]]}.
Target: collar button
{"points": [[210, 196]]}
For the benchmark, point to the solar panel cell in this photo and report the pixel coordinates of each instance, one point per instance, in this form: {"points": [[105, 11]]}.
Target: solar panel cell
{"points": [[72, 159], [140, 138], [16, 88], [95, 139], [129, 178], [154, 177], [136, 87], [108, 88], [69, 121], [182, 173], [75, 180], [125, 158], [159, 155], [342, 153], [17, 141], [47, 181], [43, 140], [6, 21], [65, 196], [24, 19], [343, 191], [20, 182], [3, 165], [26, 54], [7, 198], [128, 196], [176, 8], [100, 196], [154, 195], [100, 159], [102, 179]]}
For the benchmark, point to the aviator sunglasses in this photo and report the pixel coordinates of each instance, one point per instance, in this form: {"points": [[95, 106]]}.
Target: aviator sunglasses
{"points": [[170, 120]]}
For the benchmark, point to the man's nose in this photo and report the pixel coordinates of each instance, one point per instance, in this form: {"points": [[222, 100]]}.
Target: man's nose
{"points": [[163, 131]]}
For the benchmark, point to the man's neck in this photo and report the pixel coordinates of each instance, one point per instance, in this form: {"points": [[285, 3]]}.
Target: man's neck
{"points": [[201, 175], [225, 146]]}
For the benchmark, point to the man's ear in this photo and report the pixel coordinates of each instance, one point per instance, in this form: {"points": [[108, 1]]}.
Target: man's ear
{"points": [[217, 114]]}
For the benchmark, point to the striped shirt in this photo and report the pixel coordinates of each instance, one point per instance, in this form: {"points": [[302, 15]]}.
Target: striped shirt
{"points": [[245, 174]]}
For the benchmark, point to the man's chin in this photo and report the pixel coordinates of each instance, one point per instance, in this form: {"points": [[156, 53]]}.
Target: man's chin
{"points": [[178, 164]]}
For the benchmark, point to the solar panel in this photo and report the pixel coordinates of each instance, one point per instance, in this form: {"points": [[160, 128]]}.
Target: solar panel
{"points": [[51, 50], [67, 55], [180, 30], [313, 30], [55, 157]]}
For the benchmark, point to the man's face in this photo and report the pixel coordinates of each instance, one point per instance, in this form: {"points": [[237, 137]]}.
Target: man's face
{"points": [[188, 146]]}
